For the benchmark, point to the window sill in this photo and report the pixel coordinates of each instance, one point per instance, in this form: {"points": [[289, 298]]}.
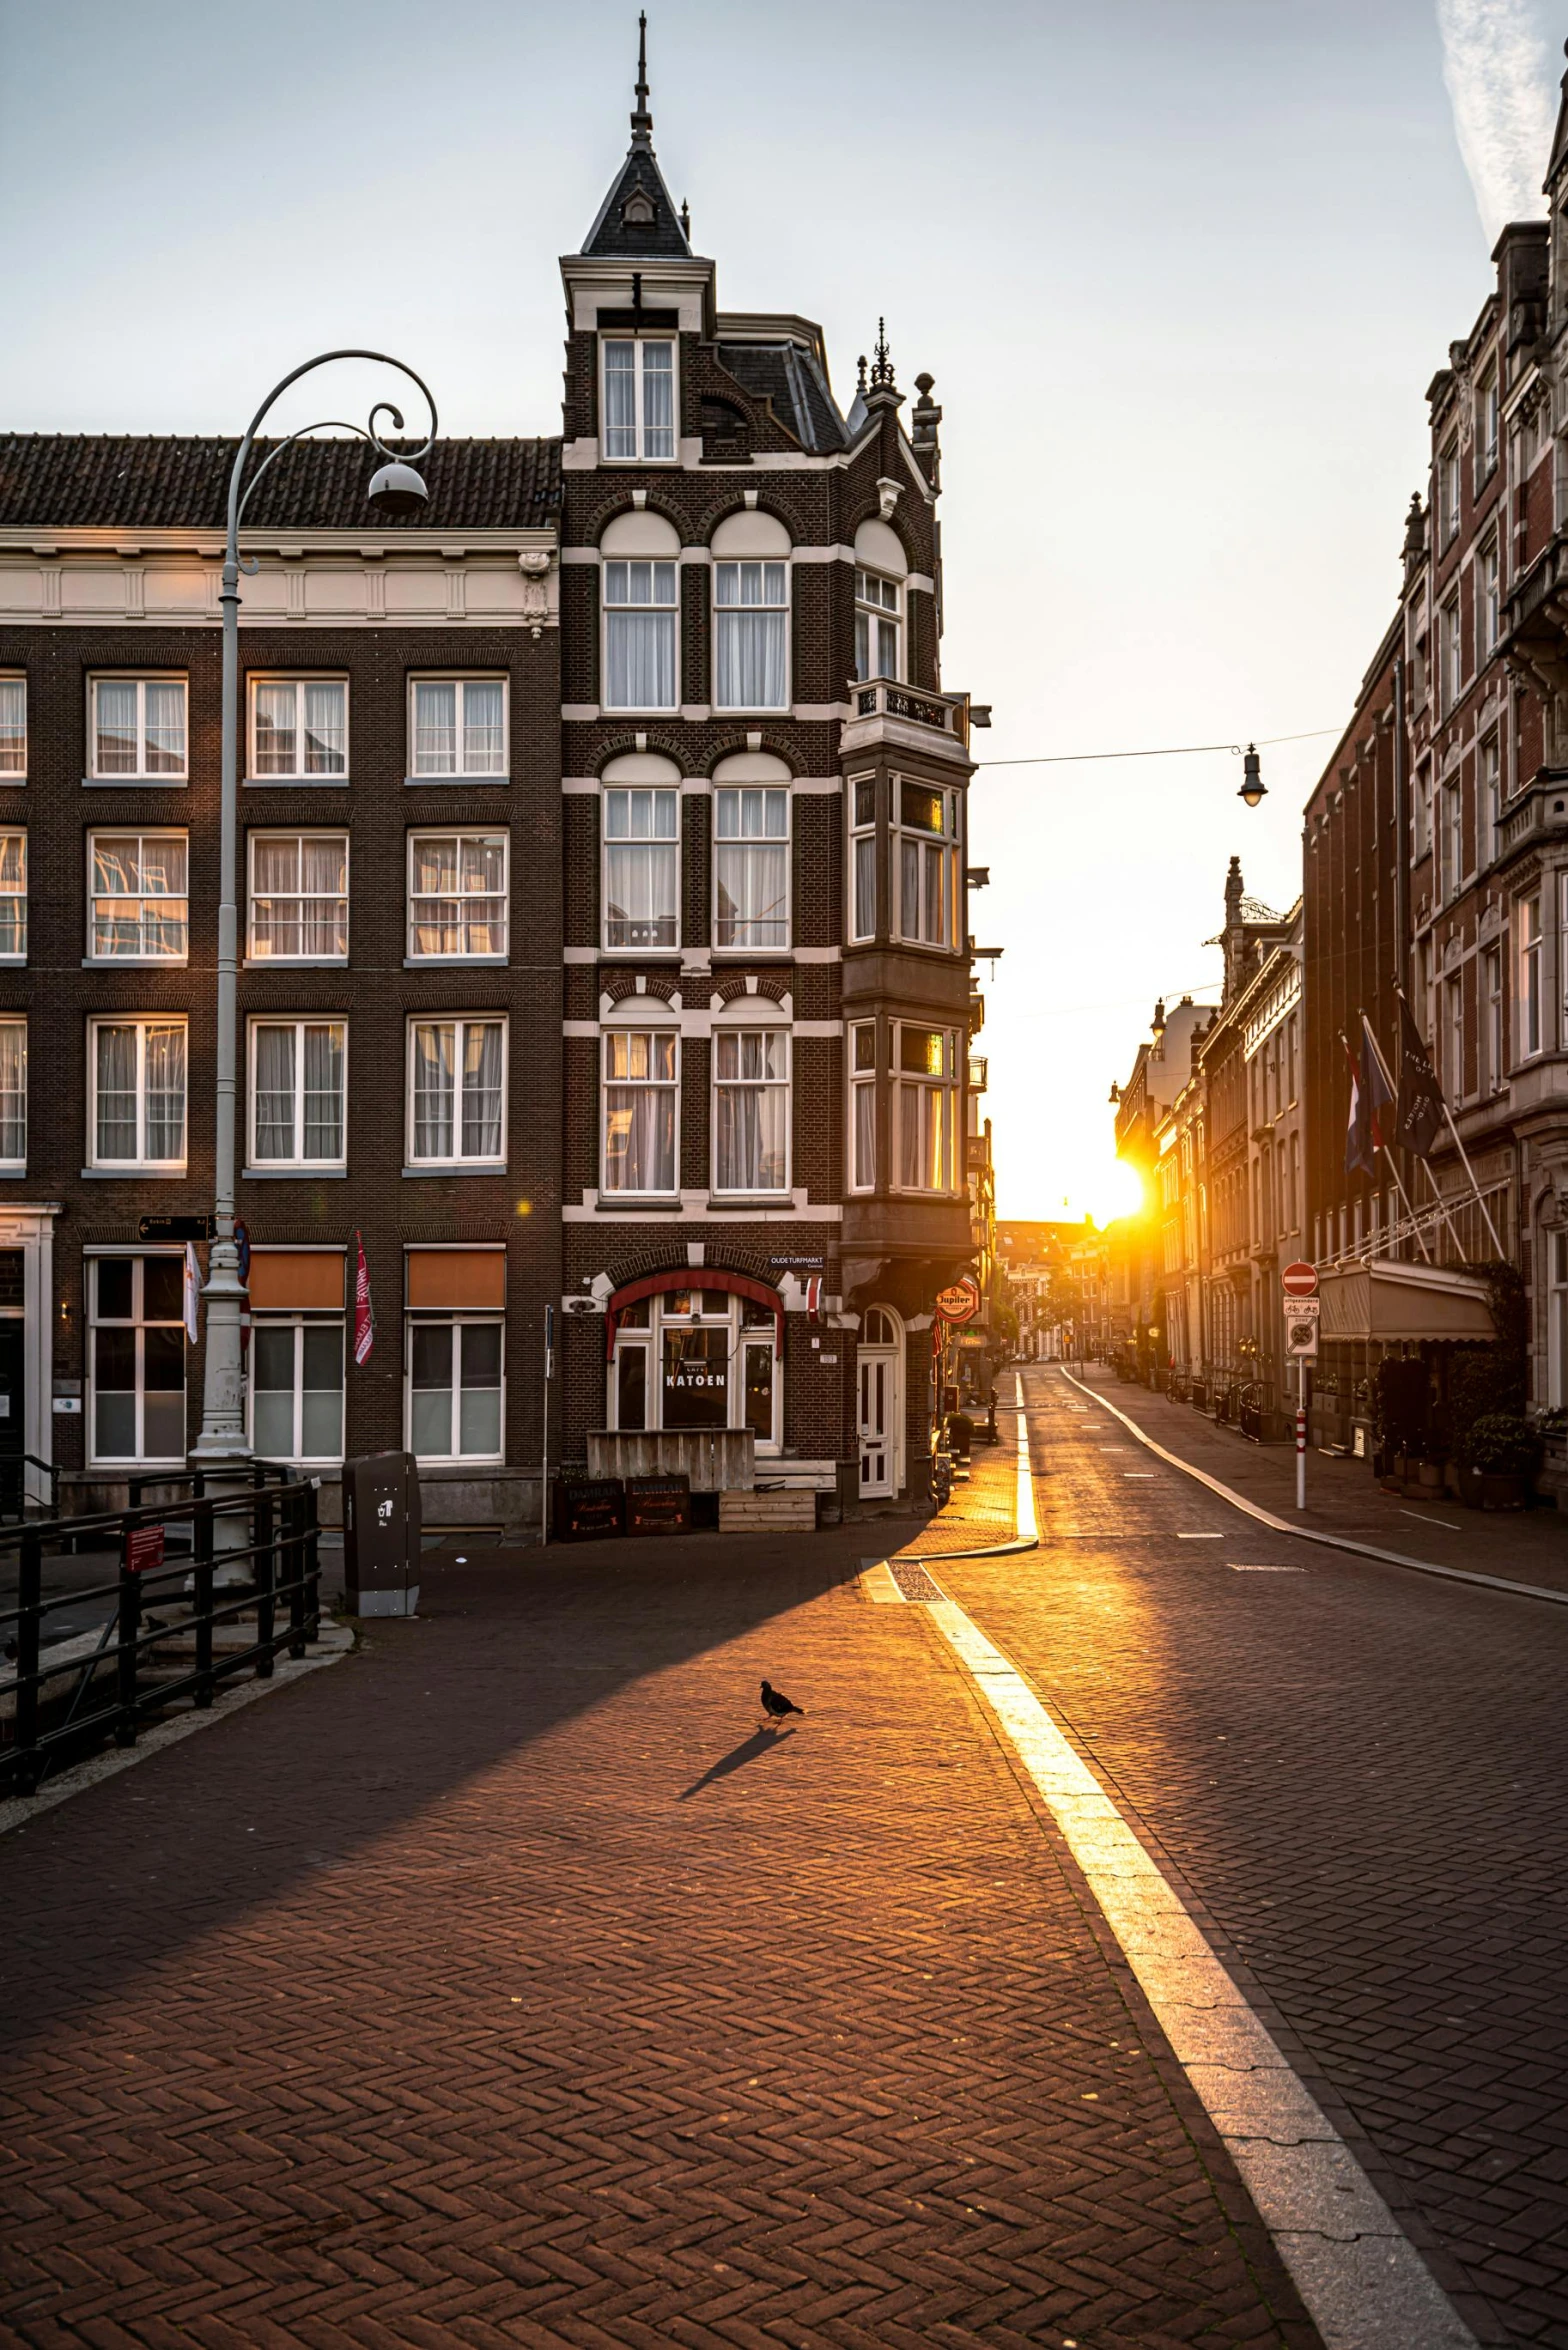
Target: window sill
{"points": [[12, 1169], [296, 782], [617, 1202], [645, 954], [136, 962], [441, 782], [134, 1174], [639, 710], [750, 709], [295, 963], [750, 1199], [462, 1167], [5, 779], [460, 1460], [453, 962], [301, 1174], [753, 954], [135, 783], [136, 1468]]}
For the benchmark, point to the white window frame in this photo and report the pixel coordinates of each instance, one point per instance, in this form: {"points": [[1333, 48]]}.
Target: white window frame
{"points": [[670, 1084], [297, 1163], [755, 840], [1453, 1055], [302, 897], [141, 1022], [1488, 424], [862, 860], [875, 609], [1451, 839], [140, 773], [1556, 1245], [1453, 657], [779, 612], [16, 1164], [297, 1322], [648, 1338], [861, 1058], [640, 454], [460, 1023], [16, 896], [1489, 797], [1530, 1039], [785, 1084], [299, 680], [13, 763], [456, 1320], [461, 679], [906, 1080], [670, 610], [141, 1457], [1488, 599], [459, 833], [1492, 1012], [139, 833], [649, 840], [1448, 493], [948, 845]]}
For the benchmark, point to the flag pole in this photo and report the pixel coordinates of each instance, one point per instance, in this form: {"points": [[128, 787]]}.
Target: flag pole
{"points": [[1464, 1157], [1415, 1228], [1442, 1210]]}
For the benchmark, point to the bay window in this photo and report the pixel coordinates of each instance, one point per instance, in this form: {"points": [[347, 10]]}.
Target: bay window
{"points": [[863, 1106], [457, 1092], [298, 729], [140, 910], [640, 1070], [138, 729], [751, 631], [298, 1093], [1527, 932], [457, 727], [877, 609], [641, 867], [298, 897], [927, 1109], [137, 1358], [863, 858], [927, 863], [136, 1110], [638, 394], [751, 867], [639, 635], [457, 896], [751, 1110]]}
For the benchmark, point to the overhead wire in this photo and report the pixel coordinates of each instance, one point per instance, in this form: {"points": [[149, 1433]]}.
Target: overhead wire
{"points": [[1166, 751]]}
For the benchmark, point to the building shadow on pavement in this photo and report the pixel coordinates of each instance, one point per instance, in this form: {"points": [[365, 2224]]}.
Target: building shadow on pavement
{"points": [[506, 1648]]}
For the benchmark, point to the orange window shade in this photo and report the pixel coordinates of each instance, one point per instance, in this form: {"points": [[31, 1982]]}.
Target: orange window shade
{"points": [[462, 1280], [284, 1280]]}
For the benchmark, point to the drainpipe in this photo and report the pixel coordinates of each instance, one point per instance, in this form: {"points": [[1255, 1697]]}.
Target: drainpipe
{"points": [[1401, 826]]}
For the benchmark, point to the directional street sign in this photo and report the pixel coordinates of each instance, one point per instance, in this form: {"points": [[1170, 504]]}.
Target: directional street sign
{"points": [[1299, 1280]]}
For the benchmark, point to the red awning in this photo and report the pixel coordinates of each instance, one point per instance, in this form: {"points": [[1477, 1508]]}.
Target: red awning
{"points": [[694, 1277]]}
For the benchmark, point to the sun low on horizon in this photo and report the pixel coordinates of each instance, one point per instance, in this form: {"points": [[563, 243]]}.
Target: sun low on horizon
{"points": [[1102, 1188]]}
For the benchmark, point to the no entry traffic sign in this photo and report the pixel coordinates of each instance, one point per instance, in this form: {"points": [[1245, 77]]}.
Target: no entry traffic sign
{"points": [[1299, 1280]]}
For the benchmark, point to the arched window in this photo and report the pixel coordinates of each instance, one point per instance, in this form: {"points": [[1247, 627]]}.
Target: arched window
{"points": [[751, 613], [641, 597], [880, 573], [751, 852], [641, 877], [878, 1328]]}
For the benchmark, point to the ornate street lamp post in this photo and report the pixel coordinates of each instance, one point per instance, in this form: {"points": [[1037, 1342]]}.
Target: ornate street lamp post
{"points": [[395, 489]]}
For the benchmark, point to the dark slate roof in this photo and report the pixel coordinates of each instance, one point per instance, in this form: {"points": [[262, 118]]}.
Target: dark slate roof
{"points": [[121, 482], [790, 378], [662, 236], [1559, 137]]}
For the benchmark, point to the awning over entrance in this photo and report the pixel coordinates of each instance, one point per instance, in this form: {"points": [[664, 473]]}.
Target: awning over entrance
{"points": [[1389, 1300], [694, 1277]]}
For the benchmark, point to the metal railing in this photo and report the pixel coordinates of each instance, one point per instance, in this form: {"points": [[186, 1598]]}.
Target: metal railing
{"points": [[14, 1496], [62, 1699]]}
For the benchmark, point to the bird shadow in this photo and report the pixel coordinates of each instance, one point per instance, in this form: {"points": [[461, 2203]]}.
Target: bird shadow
{"points": [[763, 1741]]}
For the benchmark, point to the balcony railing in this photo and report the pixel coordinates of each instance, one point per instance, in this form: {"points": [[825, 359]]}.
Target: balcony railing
{"points": [[882, 697]]}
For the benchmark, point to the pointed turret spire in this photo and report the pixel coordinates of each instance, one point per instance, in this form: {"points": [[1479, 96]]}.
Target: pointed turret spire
{"points": [[882, 364], [642, 120]]}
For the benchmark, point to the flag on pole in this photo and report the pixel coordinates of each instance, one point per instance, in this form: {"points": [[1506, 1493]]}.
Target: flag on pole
{"points": [[1380, 1094], [1358, 1131], [364, 1312], [1421, 1111], [192, 1291]]}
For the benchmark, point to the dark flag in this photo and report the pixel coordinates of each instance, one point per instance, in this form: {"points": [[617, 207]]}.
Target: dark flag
{"points": [[1358, 1133], [1380, 1094], [1420, 1112]]}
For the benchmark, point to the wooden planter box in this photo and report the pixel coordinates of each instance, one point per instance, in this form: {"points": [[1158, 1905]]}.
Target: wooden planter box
{"points": [[1483, 1489]]}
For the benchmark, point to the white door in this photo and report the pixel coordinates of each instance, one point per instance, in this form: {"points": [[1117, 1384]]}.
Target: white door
{"points": [[879, 1364]]}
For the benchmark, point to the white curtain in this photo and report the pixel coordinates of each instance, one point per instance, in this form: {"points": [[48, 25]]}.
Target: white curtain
{"points": [[116, 1093], [751, 626], [323, 913], [639, 643], [484, 734], [752, 885], [925, 1125], [324, 1090], [165, 1082], [752, 1111], [116, 726], [275, 1084], [639, 1112], [277, 748], [434, 1049], [165, 728], [433, 892], [865, 1173], [620, 399], [866, 886], [13, 726], [658, 400], [482, 1067], [326, 727], [435, 727], [13, 1090], [639, 892]]}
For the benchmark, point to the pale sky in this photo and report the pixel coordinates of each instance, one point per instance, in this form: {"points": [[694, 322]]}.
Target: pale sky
{"points": [[1182, 270]]}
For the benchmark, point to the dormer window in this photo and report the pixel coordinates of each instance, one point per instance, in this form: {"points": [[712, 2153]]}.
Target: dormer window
{"points": [[638, 398], [637, 211]]}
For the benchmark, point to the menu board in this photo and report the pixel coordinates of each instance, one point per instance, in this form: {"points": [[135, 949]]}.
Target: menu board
{"points": [[587, 1509], [658, 1505]]}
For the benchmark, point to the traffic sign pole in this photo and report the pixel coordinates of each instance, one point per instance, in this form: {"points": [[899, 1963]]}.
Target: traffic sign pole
{"points": [[1301, 1432], [1300, 1282]]}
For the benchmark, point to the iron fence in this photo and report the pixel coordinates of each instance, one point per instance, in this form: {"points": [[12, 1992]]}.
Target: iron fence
{"points": [[238, 1583]]}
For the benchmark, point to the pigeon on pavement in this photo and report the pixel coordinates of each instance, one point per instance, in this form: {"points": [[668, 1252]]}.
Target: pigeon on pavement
{"points": [[776, 1705]]}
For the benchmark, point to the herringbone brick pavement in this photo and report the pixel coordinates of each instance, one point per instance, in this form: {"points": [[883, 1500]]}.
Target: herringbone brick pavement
{"points": [[508, 1986]]}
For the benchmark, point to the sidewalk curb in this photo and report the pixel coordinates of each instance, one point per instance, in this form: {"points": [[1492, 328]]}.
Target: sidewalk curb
{"points": [[1253, 1509]]}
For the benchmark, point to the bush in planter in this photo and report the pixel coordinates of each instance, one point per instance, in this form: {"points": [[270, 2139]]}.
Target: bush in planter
{"points": [[1500, 1444]]}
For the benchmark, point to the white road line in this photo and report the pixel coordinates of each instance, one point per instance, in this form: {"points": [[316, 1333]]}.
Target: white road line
{"points": [[1200, 1537], [1422, 1519], [1366, 1550], [1027, 1527], [1361, 2278]]}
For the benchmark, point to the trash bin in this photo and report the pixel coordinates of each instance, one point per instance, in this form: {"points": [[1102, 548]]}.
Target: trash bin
{"points": [[381, 1535]]}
